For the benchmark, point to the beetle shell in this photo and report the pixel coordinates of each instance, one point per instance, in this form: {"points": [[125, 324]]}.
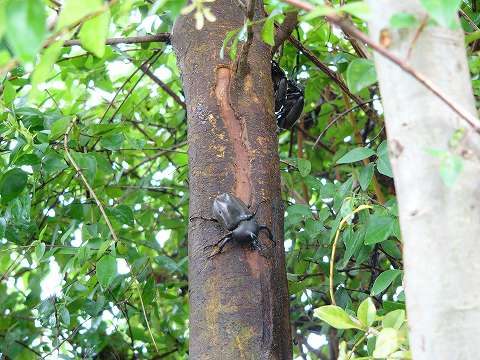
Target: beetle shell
{"points": [[246, 232], [230, 211]]}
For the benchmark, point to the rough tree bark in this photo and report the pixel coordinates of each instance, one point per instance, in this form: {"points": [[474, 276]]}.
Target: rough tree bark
{"points": [[440, 225], [239, 299]]}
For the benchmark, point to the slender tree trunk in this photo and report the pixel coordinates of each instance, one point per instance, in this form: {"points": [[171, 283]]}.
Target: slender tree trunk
{"points": [[440, 224], [238, 299]]}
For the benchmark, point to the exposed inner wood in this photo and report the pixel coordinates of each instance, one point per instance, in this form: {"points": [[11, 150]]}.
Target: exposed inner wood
{"points": [[235, 131]]}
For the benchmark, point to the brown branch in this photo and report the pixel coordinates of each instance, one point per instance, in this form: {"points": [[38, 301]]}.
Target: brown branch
{"points": [[358, 46], [58, 34], [468, 19], [125, 83], [86, 183], [285, 29], [330, 73], [164, 86], [353, 31], [242, 60], [160, 37]]}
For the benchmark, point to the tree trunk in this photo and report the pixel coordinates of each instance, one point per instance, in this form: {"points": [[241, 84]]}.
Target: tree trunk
{"points": [[440, 224], [238, 299]]}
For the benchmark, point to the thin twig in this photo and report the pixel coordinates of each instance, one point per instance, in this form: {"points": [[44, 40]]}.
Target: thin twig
{"points": [[330, 73], [353, 31], [164, 86], [469, 20], [104, 215], [156, 156], [338, 117], [285, 29], [86, 183], [334, 246], [161, 37], [137, 285], [242, 59], [125, 83], [150, 64]]}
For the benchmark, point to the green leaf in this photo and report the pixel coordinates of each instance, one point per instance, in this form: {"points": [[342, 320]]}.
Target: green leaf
{"points": [[337, 317], [45, 66], [268, 31], [9, 93], [2, 18], [104, 247], [28, 159], [94, 34], [73, 11], [4, 57], [451, 165], [227, 39], [167, 263], [304, 167], [367, 312], [3, 226], [469, 38], [379, 228], [444, 12], [361, 74], [106, 270], [403, 20], [384, 280], [450, 169], [59, 128], [359, 9], [383, 162], [26, 24], [299, 209], [366, 175], [232, 53], [82, 255], [387, 343], [64, 315], [394, 319], [320, 10], [123, 214], [356, 155], [12, 184], [40, 251], [87, 163]]}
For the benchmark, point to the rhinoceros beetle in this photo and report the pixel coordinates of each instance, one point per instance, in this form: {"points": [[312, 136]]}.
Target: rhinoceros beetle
{"points": [[232, 213], [289, 99]]}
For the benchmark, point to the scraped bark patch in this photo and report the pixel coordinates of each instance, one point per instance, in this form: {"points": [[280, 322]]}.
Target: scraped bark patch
{"points": [[235, 130]]}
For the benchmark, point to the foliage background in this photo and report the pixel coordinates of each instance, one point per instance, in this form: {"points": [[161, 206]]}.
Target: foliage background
{"points": [[69, 290]]}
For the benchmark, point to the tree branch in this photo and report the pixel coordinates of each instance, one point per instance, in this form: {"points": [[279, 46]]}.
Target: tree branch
{"points": [[85, 181], [353, 31], [160, 37], [164, 86], [243, 56], [330, 73], [285, 29]]}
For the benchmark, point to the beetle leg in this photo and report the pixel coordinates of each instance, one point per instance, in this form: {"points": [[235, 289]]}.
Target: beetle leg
{"points": [[270, 235], [255, 244], [256, 209], [220, 244], [202, 218]]}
